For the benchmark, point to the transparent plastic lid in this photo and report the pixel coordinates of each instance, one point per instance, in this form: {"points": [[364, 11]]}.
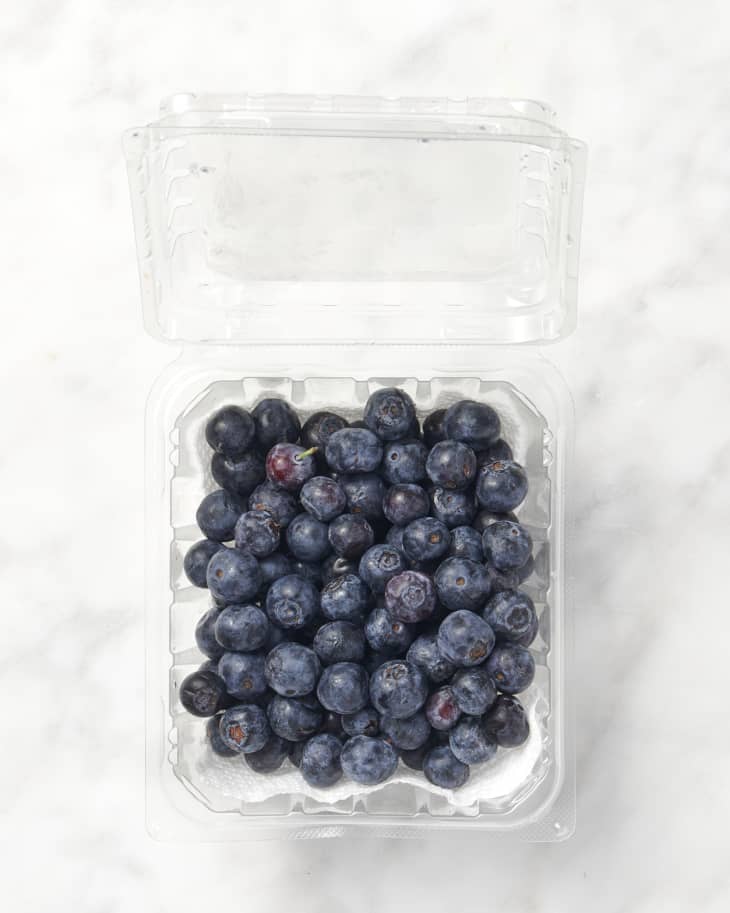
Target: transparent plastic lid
{"points": [[356, 220]]}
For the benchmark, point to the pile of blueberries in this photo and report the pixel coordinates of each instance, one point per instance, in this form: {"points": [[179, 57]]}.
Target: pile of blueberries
{"points": [[366, 604]]}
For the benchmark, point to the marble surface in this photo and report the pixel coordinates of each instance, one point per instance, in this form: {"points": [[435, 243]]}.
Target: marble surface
{"points": [[646, 86]]}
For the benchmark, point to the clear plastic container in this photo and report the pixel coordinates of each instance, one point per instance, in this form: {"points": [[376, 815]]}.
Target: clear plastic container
{"points": [[315, 249]]}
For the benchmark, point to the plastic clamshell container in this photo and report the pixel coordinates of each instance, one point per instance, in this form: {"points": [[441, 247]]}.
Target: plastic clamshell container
{"points": [[316, 248]]}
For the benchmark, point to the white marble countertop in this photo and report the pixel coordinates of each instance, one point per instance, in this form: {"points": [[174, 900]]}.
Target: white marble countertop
{"points": [[646, 87]]}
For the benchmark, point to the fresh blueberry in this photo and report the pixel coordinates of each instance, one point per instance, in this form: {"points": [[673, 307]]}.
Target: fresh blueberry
{"points": [[386, 634], [202, 693], [310, 570], [238, 475], [292, 669], [426, 539], [345, 598], [339, 642], [274, 566], [292, 602], [433, 428], [527, 569], [343, 688], [475, 424], [257, 532], [527, 638], [499, 450], [398, 689], [244, 628], [210, 665], [217, 516], [404, 462], [485, 518], [320, 764], [390, 413], [462, 584], [323, 498], [453, 508], [307, 538], [414, 758], [334, 566], [507, 721], [410, 597], [512, 667], [405, 502], [350, 535], [407, 734], [511, 615], [354, 450], [363, 722], [442, 711], [473, 690], [333, 725], [289, 466], [466, 542], [294, 719], [465, 639], [213, 735], [320, 427], [368, 761], [507, 545], [269, 758], [205, 634], [394, 537], [196, 560], [365, 492], [296, 751], [230, 431], [501, 485], [470, 741], [379, 564], [499, 581], [276, 422], [425, 654], [442, 768], [233, 576], [243, 674], [451, 465], [280, 504], [244, 728]]}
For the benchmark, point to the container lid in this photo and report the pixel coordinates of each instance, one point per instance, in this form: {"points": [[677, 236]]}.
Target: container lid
{"points": [[294, 219]]}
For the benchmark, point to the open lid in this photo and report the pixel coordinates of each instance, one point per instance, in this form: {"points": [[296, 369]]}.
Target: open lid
{"points": [[356, 220]]}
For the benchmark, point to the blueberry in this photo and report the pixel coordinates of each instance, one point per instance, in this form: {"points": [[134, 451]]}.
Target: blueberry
{"points": [[499, 581], [269, 758], [442, 768], [390, 413], [354, 450], [274, 566], [398, 689], [425, 654], [433, 428], [202, 693], [233, 576], [414, 758], [405, 502], [307, 538], [345, 598], [410, 597], [310, 570], [257, 532], [323, 498], [289, 466], [238, 475], [426, 539], [527, 638], [244, 728], [499, 450], [292, 602], [292, 669], [466, 542], [320, 764], [280, 504], [334, 566], [470, 741], [407, 734], [296, 751], [276, 422], [217, 516], [205, 634], [320, 427], [511, 615], [485, 518], [451, 465], [475, 424], [507, 721], [350, 535], [512, 667], [527, 569], [363, 722], [243, 675], [473, 690], [394, 537], [196, 560], [244, 628], [213, 735], [333, 725], [364, 492], [294, 719], [339, 642], [465, 639], [453, 508], [367, 760], [386, 634], [501, 485], [462, 584], [442, 710], [404, 462], [230, 431], [507, 545], [379, 564], [343, 687]]}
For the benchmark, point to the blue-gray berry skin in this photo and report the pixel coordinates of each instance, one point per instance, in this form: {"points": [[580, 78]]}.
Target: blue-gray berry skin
{"points": [[323, 498], [414, 757], [345, 598], [507, 545], [217, 516], [398, 689], [442, 768], [282, 505], [196, 561], [453, 508], [406, 734], [499, 450], [472, 423], [365, 492], [512, 667], [202, 693], [292, 602], [405, 502], [501, 485], [294, 719], [292, 669], [310, 570], [507, 721], [296, 751], [404, 462], [433, 428], [230, 431], [245, 728], [276, 422], [511, 615], [426, 539], [363, 722], [350, 535], [379, 564], [462, 584], [368, 760], [269, 758], [485, 518], [451, 465], [257, 532], [465, 639], [394, 537], [273, 567], [238, 475], [339, 642], [410, 597], [343, 688], [243, 675], [386, 634], [307, 538], [466, 542], [442, 710], [233, 576], [218, 746], [390, 414], [333, 566], [205, 634], [471, 742], [529, 636], [473, 690], [319, 428], [425, 654], [499, 581], [320, 763], [354, 450]]}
